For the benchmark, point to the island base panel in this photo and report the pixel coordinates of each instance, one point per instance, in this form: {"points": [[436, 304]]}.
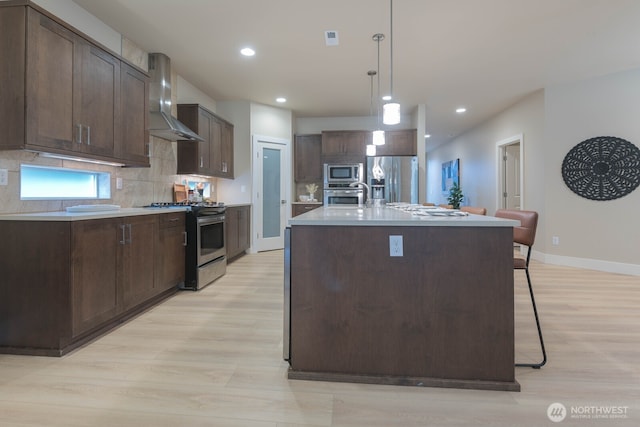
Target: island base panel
{"points": [[404, 381], [443, 311]]}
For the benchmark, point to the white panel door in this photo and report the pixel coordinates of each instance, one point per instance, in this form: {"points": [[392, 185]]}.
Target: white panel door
{"points": [[271, 175]]}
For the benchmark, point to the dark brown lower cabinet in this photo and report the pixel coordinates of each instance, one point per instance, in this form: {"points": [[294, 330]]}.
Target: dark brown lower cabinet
{"points": [[170, 252], [238, 230], [300, 208], [95, 255], [68, 282]]}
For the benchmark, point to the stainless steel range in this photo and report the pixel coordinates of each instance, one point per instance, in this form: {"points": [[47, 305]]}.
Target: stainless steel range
{"points": [[205, 253]]}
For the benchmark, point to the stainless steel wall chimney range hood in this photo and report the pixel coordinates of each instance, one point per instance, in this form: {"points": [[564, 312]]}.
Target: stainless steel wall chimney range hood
{"points": [[161, 123]]}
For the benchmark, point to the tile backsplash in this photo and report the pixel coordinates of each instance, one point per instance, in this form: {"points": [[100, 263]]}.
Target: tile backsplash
{"points": [[141, 186]]}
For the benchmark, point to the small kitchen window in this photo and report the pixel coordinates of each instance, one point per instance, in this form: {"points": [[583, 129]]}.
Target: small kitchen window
{"points": [[50, 183]]}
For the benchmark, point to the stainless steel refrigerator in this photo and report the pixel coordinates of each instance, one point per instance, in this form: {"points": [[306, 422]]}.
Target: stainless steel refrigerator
{"points": [[393, 178]]}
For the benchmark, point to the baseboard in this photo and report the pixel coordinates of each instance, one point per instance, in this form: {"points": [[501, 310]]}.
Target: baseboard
{"points": [[588, 264]]}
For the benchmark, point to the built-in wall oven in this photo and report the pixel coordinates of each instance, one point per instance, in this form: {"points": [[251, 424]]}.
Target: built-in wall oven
{"points": [[206, 254], [338, 181], [343, 196]]}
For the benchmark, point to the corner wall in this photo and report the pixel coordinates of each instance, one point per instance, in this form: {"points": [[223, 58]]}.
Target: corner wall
{"points": [[593, 234], [599, 235]]}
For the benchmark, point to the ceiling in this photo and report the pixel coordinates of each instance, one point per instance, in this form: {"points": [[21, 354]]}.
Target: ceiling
{"points": [[481, 54]]}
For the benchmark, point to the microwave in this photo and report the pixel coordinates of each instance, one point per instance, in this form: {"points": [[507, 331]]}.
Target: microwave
{"points": [[341, 175]]}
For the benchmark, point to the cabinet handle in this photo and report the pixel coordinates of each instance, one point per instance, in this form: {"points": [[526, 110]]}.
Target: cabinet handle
{"points": [[174, 219], [130, 237], [123, 241], [147, 148], [79, 139], [184, 233], [201, 162], [88, 135]]}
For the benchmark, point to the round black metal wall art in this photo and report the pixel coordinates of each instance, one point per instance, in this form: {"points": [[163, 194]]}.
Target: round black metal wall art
{"points": [[602, 168]]}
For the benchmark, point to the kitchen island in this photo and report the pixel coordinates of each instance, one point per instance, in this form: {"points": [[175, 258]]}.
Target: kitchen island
{"points": [[432, 308]]}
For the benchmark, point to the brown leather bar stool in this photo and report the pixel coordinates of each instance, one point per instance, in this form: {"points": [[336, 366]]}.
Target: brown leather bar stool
{"points": [[474, 210], [526, 235]]}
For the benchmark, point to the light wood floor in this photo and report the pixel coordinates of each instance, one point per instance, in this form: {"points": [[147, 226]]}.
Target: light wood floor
{"points": [[214, 358]]}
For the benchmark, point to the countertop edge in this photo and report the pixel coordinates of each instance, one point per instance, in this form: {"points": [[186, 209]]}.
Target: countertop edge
{"points": [[389, 217], [63, 216]]}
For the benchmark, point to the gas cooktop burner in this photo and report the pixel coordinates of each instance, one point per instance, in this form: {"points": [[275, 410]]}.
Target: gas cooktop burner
{"points": [[185, 204]]}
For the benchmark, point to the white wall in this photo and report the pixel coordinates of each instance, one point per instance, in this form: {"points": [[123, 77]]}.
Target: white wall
{"points": [[73, 14], [249, 119], [271, 121], [189, 94], [239, 189], [593, 234], [311, 125], [596, 234], [476, 150]]}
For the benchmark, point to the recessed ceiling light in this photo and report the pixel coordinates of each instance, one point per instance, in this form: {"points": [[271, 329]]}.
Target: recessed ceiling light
{"points": [[281, 99], [427, 135], [247, 51], [386, 98], [460, 110]]}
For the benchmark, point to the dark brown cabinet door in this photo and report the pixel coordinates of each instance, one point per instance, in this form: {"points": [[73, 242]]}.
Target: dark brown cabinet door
{"points": [[344, 142], [299, 209], [50, 84], [215, 147], [195, 157], [399, 143], [134, 101], [170, 251], [137, 259], [226, 150], [65, 92], [244, 228], [344, 146], [73, 92], [214, 155], [238, 230], [97, 97], [231, 232], [308, 158], [95, 254], [88, 275]]}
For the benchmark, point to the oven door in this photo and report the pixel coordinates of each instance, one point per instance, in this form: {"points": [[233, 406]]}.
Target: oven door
{"points": [[210, 238], [343, 197]]}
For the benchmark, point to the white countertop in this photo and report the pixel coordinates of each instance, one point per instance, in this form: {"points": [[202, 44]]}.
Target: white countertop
{"points": [[390, 216], [80, 216]]}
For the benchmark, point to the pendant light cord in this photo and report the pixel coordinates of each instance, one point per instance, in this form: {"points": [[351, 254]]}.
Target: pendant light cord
{"points": [[379, 39], [390, 50]]}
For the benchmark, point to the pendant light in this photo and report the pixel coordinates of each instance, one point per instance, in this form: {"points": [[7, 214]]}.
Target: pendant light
{"points": [[391, 110], [378, 134]]}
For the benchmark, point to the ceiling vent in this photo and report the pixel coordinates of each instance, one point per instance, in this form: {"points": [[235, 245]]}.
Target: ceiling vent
{"points": [[331, 38]]}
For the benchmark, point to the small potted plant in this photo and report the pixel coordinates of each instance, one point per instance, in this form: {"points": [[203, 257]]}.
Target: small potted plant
{"points": [[455, 196], [312, 188]]}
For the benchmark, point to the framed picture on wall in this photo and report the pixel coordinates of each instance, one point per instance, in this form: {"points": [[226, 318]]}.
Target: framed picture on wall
{"points": [[450, 174]]}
